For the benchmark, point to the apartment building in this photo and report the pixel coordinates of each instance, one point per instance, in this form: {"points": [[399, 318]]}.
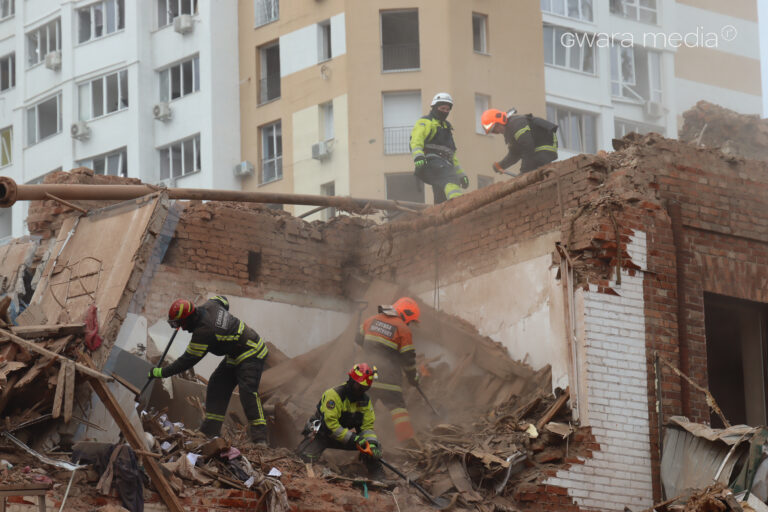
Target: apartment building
{"points": [[331, 89], [618, 66], [143, 89]]}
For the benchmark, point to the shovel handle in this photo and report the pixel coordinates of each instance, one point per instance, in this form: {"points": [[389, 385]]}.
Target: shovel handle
{"points": [[419, 488], [162, 358]]}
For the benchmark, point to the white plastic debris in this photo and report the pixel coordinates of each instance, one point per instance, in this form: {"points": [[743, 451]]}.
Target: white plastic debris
{"points": [[274, 472], [192, 458]]}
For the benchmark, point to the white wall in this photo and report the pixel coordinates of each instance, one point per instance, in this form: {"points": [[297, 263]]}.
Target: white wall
{"points": [[299, 49]]}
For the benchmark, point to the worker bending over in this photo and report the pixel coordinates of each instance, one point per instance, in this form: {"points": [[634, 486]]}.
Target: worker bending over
{"points": [[530, 138]]}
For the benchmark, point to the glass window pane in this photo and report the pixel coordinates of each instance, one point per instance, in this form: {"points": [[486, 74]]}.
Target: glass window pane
{"points": [[589, 59], [573, 8], [48, 117], [647, 16], [590, 134], [198, 165], [173, 9], [43, 49], [175, 82], [98, 20], [111, 15], [120, 14], [123, 89], [176, 160], [32, 48], [164, 86], [188, 148], [97, 97], [5, 147], [98, 165], [31, 125], [112, 93], [559, 48], [84, 25], [186, 7], [546, 5], [586, 10], [558, 7], [187, 78], [574, 57], [113, 164], [549, 45], [84, 101], [162, 13], [197, 73], [165, 164]]}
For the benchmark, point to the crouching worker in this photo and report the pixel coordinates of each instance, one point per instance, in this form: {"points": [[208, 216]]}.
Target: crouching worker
{"points": [[344, 420]]}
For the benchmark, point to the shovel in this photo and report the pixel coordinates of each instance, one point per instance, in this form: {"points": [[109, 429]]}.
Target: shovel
{"points": [[143, 402], [439, 502]]}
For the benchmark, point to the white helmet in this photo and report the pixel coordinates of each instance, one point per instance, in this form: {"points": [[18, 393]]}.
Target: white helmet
{"points": [[441, 97]]}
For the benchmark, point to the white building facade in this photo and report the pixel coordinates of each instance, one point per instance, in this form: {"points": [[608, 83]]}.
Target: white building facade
{"points": [[146, 89], [617, 66]]}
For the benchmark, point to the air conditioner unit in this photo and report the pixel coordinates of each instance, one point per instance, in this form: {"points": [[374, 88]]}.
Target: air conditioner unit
{"points": [[654, 109], [321, 150], [53, 60], [184, 23], [80, 130], [162, 111], [244, 168]]}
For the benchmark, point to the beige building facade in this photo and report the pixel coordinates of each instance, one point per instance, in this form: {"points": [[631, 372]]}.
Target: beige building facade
{"points": [[330, 89]]}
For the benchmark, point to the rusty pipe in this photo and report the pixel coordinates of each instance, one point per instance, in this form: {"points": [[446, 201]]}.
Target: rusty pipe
{"points": [[10, 192]]}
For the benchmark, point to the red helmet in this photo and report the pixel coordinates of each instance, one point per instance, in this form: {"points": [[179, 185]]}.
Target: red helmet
{"points": [[408, 310], [363, 374], [491, 117], [181, 309]]}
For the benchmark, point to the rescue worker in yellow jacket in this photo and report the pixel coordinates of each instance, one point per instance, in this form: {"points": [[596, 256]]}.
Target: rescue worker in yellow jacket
{"points": [[530, 138], [217, 331], [344, 420], [434, 151], [387, 341]]}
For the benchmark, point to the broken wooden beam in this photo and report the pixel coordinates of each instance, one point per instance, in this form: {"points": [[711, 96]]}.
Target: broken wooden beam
{"points": [[47, 353], [150, 464], [556, 406], [69, 389], [127, 385], [47, 331]]}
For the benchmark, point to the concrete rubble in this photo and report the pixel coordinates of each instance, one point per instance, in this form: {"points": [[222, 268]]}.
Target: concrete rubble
{"points": [[514, 281]]}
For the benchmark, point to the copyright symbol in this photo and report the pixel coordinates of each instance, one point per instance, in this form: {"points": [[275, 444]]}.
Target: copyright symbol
{"points": [[729, 32], [568, 40]]}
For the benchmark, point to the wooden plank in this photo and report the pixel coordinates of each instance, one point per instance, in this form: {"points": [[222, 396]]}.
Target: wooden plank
{"points": [[127, 385], [553, 409], [42, 363], [59, 396], [45, 352], [33, 315], [150, 464], [47, 331], [9, 353], [69, 390]]}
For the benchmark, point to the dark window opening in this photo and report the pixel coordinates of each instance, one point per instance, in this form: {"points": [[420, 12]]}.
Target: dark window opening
{"points": [[254, 265], [737, 354]]}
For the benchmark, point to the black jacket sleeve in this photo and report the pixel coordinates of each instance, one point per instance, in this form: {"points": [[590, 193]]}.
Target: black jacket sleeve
{"points": [[519, 138], [196, 350]]}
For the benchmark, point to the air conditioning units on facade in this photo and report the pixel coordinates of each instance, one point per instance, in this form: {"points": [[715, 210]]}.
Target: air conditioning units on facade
{"points": [[184, 23], [53, 60], [162, 112], [80, 130], [654, 109], [244, 168], [321, 150]]}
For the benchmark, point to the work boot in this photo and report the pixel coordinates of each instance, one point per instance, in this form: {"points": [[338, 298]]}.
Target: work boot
{"points": [[259, 435]]}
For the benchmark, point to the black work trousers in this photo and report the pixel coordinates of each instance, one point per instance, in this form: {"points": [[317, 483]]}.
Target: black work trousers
{"points": [[246, 375], [538, 159], [310, 450]]}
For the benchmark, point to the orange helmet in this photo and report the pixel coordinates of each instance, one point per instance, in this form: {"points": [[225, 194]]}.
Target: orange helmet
{"points": [[363, 374], [491, 117], [408, 310], [181, 309]]}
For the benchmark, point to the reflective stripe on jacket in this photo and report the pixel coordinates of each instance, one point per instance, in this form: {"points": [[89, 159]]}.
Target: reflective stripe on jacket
{"points": [[340, 415], [431, 136], [388, 345]]}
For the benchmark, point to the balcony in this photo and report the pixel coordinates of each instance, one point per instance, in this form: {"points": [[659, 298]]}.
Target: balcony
{"points": [[269, 88], [400, 57], [397, 140]]}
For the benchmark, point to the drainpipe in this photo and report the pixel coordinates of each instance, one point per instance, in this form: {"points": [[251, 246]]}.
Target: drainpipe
{"points": [[10, 192]]}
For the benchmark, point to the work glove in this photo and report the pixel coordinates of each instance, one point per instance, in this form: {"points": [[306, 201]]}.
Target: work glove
{"points": [[497, 168], [375, 450], [464, 181], [419, 162], [413, 378], [156, 373]]}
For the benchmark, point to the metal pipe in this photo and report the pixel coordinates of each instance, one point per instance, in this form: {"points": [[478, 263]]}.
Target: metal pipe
{"points": [[10, 192]]}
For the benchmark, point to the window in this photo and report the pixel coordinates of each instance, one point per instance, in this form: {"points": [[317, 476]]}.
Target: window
{"points": [[400, 40], [113, 164], [577, 9], [6, 139], [44, 120], [325, 111], [484, 181], [579, 56], [180, 158], [480, 32], [7, 72], [328, 189], [100, 19], [269, 82], [271, 152], [180, 79], [400, 111], [103, 95], [577, 131], [635, 73], [7, 9], [324, 40], [42, 41], [622, 127], [644, 11], [405, 187], [482, 103], [266, 11], [169, 9]]}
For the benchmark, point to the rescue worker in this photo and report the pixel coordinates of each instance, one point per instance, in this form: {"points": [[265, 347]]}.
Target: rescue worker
{"points": [[530, 138], [344, 420], [386, 339], [434, 151], [217, 331]]}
